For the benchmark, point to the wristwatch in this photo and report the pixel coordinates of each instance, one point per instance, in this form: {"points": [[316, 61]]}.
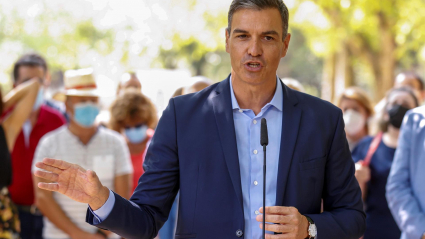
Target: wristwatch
{"points": [[312, 230]]}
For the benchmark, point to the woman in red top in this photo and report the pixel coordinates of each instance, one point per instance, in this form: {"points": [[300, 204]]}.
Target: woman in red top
{"points": [[134, 116]]}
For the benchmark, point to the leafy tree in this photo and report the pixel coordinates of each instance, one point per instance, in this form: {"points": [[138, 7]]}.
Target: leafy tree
{"points": [[357, 36]]}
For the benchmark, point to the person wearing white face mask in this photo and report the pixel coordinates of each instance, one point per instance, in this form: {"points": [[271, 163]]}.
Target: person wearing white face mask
{"points": [[82, 142], [357, 109]]}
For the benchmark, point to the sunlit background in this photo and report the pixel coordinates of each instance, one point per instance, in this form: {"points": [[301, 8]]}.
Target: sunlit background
{"points": [[335, 43]]}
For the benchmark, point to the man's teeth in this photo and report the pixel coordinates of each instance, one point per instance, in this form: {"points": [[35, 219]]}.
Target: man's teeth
{"points": [[254, 64]]}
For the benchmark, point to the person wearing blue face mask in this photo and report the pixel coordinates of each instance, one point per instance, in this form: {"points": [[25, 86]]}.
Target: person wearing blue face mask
{"points": [[81, 141], [134, 116]]}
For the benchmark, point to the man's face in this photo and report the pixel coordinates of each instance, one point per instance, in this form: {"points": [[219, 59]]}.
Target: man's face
{"points": [[256, 45], [26, 73]]}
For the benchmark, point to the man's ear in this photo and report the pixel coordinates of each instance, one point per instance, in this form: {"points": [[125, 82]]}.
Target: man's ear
{"points": [[227, 40], [286, 44], [68, 106]]}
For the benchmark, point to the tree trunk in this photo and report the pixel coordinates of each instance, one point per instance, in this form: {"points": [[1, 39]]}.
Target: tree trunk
{"points": [[338, 74], [387, 61], [328, 78]]}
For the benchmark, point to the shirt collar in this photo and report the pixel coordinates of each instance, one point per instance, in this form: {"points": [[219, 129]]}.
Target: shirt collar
{"points": [[277, 100]]}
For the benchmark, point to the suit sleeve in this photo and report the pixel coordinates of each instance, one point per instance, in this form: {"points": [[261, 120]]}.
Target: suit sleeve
{"points": [[343, 216], [400, 196], [148, 208]]}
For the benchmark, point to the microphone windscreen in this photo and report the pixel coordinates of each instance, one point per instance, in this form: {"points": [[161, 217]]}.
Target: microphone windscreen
{"points": [[264, 134]]}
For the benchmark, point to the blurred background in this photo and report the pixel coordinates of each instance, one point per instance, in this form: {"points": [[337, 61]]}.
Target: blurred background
{"points": [[335, 43]]}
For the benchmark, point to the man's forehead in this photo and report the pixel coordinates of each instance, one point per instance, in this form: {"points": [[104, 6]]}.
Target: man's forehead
{"points": [[268, 19], [32, 71], [407, 80]]}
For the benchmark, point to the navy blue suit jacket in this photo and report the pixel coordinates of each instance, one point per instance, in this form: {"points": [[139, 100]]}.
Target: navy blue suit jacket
{"points": [[194, 150]]}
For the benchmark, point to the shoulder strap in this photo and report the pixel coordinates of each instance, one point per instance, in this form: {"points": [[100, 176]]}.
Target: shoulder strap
{"points": [[372, 149]]}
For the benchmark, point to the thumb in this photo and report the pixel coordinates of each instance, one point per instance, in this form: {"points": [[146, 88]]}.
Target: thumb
{"points": [[92, 176]]}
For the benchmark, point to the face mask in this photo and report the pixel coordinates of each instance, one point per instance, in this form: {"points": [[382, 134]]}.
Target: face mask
{"points": [[85, 114], [39, 100], [354, 122], [136, 134], [396, 114]]}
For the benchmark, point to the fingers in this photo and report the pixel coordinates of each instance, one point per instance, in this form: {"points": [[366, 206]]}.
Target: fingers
{"points": [[57, 163], [273, 218], [49, 186], [280, 228], [49, 168], [280, 236], [92, 175], [46, 175], [279, 210]]}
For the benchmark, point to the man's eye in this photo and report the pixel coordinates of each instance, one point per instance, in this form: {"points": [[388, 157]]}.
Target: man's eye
{"points": [[269, 38], [242, 36]]}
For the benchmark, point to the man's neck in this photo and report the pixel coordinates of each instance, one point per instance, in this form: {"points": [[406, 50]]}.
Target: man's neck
{"points": [[84, 134], [253, 97]]}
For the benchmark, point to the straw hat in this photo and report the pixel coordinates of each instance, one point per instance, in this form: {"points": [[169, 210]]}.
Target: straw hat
{"points": [[80, 83]]}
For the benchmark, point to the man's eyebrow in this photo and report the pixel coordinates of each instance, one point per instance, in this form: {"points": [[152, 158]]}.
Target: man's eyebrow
{"points": [[272, 32], [239, 31]]}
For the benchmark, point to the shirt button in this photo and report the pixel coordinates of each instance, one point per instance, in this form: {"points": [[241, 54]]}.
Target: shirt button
{"points": [[255, 122], [255, 183], [241, 111], [257, 212], [255, 151], [239, 233]]}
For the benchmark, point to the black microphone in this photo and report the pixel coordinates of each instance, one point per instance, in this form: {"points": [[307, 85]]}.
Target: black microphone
{"points": [[264, 141], [264, 135]]}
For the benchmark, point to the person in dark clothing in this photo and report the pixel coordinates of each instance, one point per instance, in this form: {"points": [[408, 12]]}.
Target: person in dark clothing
{"points": [[18, 103], [372, 171]]}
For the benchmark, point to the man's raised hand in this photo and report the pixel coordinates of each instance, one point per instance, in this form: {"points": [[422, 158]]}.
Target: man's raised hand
{"points": [[73, 181]]}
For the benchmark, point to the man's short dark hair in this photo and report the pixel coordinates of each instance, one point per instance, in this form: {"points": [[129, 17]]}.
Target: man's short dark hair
{"points": [[260, 5], [414, 75], [32, 59]]}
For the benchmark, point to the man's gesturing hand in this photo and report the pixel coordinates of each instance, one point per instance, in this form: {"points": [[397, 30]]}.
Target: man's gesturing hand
{"points": [[73, 181], [286, 220]]}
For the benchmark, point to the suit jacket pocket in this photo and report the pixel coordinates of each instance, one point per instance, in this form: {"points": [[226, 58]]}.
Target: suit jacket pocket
{"points": [[313, 163], [184, 236]]}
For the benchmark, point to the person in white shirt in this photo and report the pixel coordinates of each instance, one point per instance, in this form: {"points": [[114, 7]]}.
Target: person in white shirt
{"points": [[83, 143]]}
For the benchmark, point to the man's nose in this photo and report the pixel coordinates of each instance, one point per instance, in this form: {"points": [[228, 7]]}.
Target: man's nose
{"points": [[255, 47]]}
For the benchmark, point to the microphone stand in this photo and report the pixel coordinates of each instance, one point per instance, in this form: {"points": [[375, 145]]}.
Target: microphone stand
{"points": [[264, 141], [264, 192]]}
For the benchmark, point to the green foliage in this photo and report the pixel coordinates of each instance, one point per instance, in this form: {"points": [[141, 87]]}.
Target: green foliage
{"points": [[362, 25]]}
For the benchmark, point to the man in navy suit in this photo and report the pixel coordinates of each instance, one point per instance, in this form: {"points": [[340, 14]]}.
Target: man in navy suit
{"points": [[207, 145]]}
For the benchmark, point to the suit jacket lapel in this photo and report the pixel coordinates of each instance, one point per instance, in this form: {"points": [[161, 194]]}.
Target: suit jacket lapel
{"points": [[222, 105], [291, 119]]}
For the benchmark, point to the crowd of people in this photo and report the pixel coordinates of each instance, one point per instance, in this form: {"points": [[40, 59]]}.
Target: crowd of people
{"points": [[33, 128], [391, 194]]}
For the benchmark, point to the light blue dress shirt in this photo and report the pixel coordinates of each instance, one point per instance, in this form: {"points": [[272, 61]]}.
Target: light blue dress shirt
{"points": [[405, 186], [250, 152]]}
